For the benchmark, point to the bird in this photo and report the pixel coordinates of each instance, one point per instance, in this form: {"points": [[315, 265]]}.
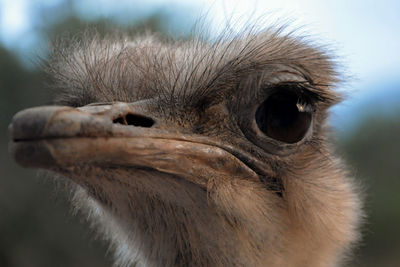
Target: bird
{"points": [[199, 151]]}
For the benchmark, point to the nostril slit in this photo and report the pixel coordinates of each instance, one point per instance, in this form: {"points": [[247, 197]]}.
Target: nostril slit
{"points": [[120, 120], [138, 120], [135, 120]]}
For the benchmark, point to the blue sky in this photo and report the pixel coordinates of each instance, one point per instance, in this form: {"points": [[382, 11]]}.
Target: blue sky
{"points": [[365, 33]]}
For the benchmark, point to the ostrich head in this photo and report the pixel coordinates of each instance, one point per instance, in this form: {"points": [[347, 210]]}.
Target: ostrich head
{"points": [[198, 153]]}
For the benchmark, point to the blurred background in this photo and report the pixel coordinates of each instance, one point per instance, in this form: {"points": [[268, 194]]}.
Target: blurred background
{"points": [[36, 226]]}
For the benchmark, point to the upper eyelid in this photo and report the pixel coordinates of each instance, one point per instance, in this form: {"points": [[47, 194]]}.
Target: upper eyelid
{"points": [[298, 79], [303, 89], [297, 84], [317, 92]]}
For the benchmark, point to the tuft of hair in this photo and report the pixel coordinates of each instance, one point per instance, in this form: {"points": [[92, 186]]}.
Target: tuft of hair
{"points": [[183, 70]]}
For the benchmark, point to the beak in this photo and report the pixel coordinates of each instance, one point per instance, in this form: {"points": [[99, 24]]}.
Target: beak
{"points": [[117, 134]]}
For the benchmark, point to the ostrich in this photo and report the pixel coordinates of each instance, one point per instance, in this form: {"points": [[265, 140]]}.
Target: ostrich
{"points": [[198, 153]]}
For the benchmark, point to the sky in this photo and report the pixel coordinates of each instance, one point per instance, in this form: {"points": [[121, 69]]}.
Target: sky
{"points": [[364, 34]]}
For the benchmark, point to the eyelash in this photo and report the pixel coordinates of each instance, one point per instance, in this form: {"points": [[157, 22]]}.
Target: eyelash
{"points": [[303, 90]]}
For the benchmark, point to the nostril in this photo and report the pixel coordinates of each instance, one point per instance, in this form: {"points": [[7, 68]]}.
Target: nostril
{"points": [[138, 120], [120, 120], [135, 120]]}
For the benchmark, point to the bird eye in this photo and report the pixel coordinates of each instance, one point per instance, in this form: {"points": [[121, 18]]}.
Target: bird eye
{"points": [[284, 116]]}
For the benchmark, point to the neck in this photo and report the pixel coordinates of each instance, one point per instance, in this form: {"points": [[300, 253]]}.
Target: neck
{"points": [[179, 226], [234, 223]]}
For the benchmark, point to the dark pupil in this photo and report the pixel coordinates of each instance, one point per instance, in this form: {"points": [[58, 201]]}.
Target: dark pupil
{"points": [[279, 117]]}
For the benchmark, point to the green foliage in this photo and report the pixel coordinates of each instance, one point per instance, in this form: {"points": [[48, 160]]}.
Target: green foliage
{"points": [[373, 152]]}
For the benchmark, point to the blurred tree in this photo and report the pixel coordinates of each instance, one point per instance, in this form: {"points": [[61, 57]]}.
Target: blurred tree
{"points": [[34, 231], [75, 25], [373, 152]]}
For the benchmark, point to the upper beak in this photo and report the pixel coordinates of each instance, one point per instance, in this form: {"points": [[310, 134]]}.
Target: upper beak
{"points": [[117, 134]]}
